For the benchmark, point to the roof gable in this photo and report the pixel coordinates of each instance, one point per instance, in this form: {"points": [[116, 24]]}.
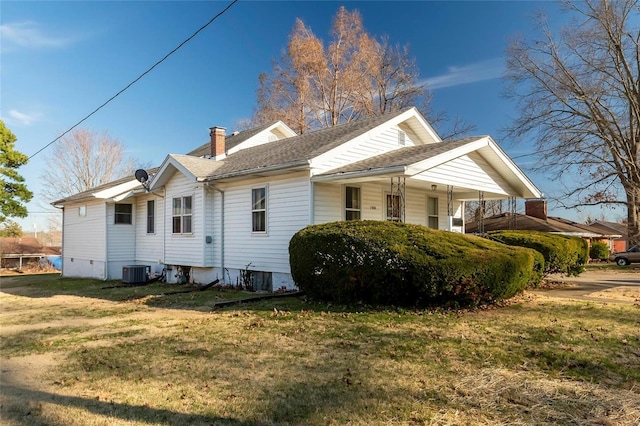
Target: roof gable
{"points": [[414, 160], [258, 135]]}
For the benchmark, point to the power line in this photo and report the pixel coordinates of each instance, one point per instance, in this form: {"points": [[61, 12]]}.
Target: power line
{"points": [[136, 80]]}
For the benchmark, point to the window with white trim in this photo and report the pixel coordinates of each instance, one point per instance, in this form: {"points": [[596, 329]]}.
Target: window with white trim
{"points": [[432, 212], [123, 214], [151, 216], [259, 209], [352, 203], [182, 215], [82, 211]]}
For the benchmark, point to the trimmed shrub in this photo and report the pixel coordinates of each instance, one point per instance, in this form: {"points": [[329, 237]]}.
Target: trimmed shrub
{"points": [[599, 251], [386, 263], [562, 253]]}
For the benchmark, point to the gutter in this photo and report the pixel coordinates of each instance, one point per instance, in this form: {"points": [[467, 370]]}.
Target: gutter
{"points": [[106, 242], [221, 229], [359, 173], [303, 164]]}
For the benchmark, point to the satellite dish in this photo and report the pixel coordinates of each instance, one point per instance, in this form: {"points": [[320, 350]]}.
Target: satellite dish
{"points": [[142, 176]]}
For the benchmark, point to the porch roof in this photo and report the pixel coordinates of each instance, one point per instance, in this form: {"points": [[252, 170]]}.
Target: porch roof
{"points": [[417, 162]]}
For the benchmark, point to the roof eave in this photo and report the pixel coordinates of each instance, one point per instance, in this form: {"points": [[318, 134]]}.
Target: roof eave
{"points": [[293, 166], [360, 173]]}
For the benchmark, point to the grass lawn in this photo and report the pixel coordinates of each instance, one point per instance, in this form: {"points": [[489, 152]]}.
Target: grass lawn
{"points": [[75, 353]]}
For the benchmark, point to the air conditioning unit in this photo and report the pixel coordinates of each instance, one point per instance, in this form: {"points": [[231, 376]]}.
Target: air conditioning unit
{"points": [[134, 274]]}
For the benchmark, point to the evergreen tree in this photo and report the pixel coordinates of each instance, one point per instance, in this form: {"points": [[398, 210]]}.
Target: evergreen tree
{"points": [[13, 192]]}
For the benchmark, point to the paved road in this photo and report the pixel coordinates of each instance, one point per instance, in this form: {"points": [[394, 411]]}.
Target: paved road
{"points": [[592, 282]]}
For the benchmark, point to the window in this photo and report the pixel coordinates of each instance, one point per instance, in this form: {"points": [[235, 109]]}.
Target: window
{"points": [[151, 216], [123, 214], [182, 216], [393, 208], [352, 203], [82, 211], [259, 209], [432, 212]]}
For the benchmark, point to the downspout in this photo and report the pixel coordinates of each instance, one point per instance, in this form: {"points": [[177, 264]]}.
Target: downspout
{"points": [[221, 228], [106, 241], [62, 248], [312, 202]]}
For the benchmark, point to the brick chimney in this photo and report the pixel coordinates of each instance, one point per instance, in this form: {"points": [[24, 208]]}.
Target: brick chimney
{"points": [[536, 208], [218, 150]]}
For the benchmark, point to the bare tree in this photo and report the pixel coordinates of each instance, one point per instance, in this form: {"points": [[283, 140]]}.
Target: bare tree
{"points": [[354, 76], [83, 160], [578, 93], [472, 211]]}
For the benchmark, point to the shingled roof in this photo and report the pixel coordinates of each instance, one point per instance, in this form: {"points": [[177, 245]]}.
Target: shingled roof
{"points": [[89, 194], [231, 141], [530, 223], [403, 157], [290, 152]]}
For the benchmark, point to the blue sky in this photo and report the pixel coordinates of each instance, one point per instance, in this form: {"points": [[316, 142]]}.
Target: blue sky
{"points": [[62, 59]]}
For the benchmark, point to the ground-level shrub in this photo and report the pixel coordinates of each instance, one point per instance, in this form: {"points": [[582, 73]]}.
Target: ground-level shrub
{"points": [[562, 253], [407, 265], [599, 251]]}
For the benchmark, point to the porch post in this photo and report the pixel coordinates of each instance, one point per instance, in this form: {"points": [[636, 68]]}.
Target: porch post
{"points": [[398, 193], [449, 208], [512, 211], [481, 210]]}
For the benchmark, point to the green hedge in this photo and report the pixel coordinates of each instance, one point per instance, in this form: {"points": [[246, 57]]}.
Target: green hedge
{"points": [[562, 254], [599, 251], [407, 265]]}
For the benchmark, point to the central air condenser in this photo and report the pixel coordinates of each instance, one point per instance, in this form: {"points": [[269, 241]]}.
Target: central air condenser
{"points": [[134, 274]]}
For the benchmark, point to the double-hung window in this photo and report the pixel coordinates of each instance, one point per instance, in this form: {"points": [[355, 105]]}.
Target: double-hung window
{"points": [[182, 215], [123, 214], [259, 209], [151, 216], [432, 212], [352, 203]]}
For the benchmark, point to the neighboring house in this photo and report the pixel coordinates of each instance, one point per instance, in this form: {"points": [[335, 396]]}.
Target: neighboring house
{"points": [[15, 252], [536, 219], [230, 207], [621, 243]]}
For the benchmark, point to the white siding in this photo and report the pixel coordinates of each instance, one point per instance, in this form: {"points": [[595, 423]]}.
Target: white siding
{"points": [[360, 148], [83, 251], [121, 241], [416, 207], [371, 197], [184, 249], [149, 247], [469, 171], [330, 204], [287, 213], [327, 203]]}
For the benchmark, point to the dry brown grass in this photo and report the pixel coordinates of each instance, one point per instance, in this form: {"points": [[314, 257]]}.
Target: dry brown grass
{"points": [[73, 360]]}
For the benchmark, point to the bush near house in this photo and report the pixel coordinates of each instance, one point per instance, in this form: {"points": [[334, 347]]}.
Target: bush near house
{"points": [[400, 264], [599, 251], [562, 253]]}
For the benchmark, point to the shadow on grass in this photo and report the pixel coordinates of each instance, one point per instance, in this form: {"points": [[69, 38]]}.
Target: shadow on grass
{"points": [[109, 409]]}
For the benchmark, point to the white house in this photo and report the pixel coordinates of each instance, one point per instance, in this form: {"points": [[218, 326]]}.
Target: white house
{"points": [[233, 204]]}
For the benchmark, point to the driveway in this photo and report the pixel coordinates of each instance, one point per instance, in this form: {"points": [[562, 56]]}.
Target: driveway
{"points": [[599, 286]]}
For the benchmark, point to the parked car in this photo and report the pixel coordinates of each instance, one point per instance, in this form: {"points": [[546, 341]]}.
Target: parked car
{"points": [[624, 258]]}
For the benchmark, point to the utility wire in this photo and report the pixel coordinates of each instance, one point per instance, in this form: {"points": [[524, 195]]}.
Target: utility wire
{"points": [[136, 80]]}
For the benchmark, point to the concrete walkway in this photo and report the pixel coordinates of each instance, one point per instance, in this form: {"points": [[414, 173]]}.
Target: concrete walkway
{"points": [[584, 286]]}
